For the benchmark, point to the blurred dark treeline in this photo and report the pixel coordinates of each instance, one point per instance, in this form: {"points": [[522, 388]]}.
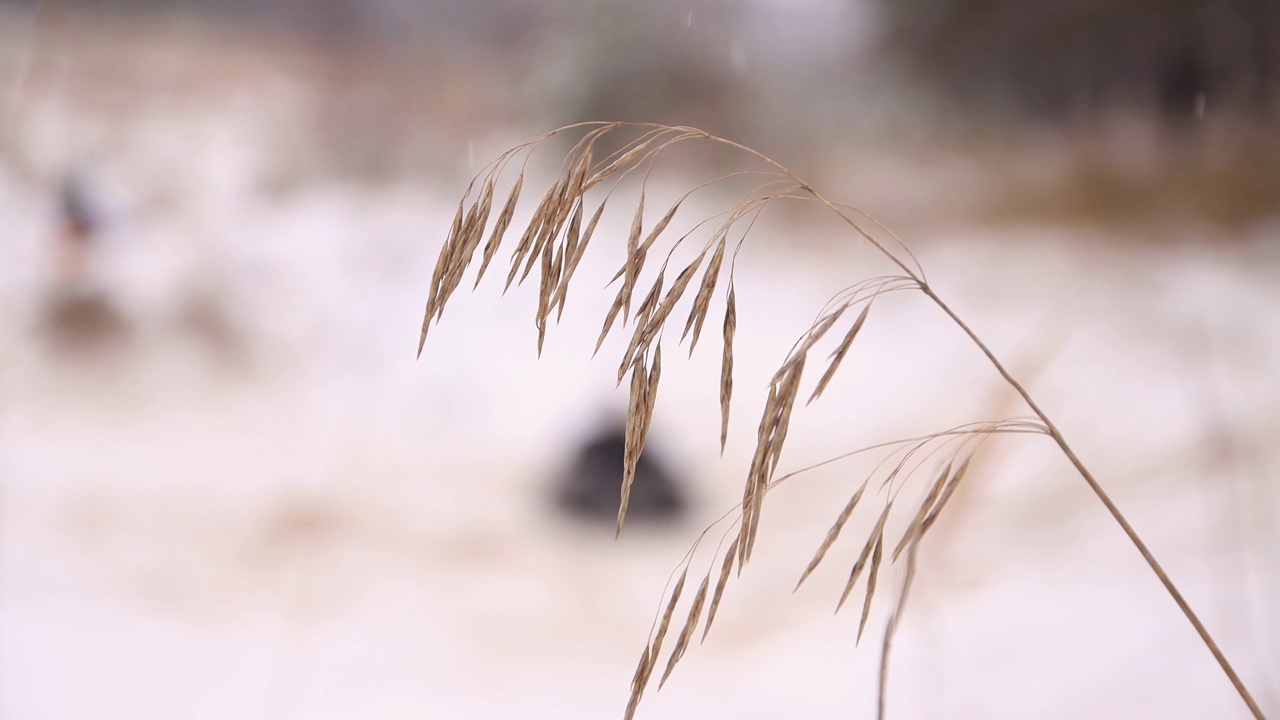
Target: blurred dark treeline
{"points": [[1048, 60], [1070, 59], [1042, 60]]}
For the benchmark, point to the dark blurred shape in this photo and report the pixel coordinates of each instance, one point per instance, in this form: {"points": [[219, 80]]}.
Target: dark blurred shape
{"points": [[79, 318], [1062, 60], [592, 486], [82, 322], [79, 222]]}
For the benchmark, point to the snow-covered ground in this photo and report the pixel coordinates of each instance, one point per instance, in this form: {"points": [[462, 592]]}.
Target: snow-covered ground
{"points": [[261, 505]]}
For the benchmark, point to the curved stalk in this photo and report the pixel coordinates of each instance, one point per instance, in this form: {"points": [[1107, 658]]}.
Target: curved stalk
{"points": [[552, 208], [1075, 461], [1110, 505]]}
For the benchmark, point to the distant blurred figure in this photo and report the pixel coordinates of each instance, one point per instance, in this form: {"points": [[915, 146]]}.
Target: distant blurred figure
{"points": [[78, 316], [79, 221], [592, 486]]}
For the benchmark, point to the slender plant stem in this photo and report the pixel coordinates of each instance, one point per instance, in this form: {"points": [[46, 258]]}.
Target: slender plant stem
{"points": [[1049, 425], [1053, 432], [916, 275], [887, 646], [1110, 505], [1061, 441]]}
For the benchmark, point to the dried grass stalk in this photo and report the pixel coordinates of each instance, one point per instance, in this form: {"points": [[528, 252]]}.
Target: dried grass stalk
{"points": [[554, 240]]}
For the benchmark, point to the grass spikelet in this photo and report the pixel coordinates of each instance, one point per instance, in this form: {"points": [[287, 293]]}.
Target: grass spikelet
{"points": [[573, 234], [751, 489], [473, 231], [726, 364], [642, 249], [638, 682], [631, 270], [677, 290], [621, 162], [646, 307], [638, 678], [574, 255], [445, 261], [435, 301], [650, 322], [550, 275], [665, 623], [682, 642], [591, 229], [531, 232], [644, 393], [702, 301], [456, 226], [864, 556], [838, 355], [456, 247], [816, 332], [946, 495], [655, 373], [500, 228], [872, 574], [557, 214], [609, 317], [832, 534], [638, 344], [786, 404], [657, 230], [578, 177], [726, 567], [770, 436], [913, 530], [636, 412]]}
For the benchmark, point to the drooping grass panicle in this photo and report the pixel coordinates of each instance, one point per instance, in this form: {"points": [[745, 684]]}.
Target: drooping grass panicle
{"points": [[554, 240]]}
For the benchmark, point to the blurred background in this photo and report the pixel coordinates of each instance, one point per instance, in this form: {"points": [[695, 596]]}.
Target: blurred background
{"points": [[228, 489]]}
